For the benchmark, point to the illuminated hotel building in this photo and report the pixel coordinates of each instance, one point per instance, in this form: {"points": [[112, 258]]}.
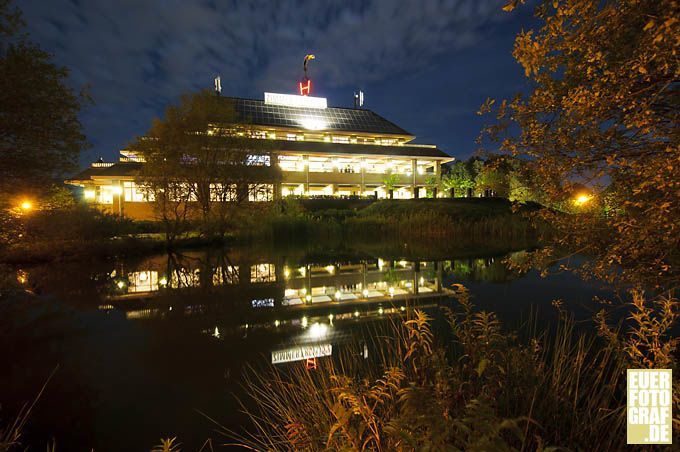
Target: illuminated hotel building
{"points": [[321, 151]]}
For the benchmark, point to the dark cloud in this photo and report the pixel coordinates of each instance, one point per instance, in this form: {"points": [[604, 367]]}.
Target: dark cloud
{"points": [[138, 56]]}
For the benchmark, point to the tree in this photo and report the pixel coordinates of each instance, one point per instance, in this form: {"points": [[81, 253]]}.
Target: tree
{"points": [[40, 135], [492, 177], [390, 181], [604, 112], [200, 163], [459, 179]]}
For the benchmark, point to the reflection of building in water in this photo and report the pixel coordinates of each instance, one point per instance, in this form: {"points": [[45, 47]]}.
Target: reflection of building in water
{"points": [[365, 280], [283, 284]]}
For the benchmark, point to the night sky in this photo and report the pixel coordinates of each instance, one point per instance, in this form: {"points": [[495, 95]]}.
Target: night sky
{"points": [[426, 65]]}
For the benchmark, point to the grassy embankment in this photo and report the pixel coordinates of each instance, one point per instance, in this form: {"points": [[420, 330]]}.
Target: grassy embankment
{"points": [[81, 233], [471, 218]]}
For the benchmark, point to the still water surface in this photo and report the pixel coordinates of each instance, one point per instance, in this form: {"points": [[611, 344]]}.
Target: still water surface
{"points": [[143, 346]]}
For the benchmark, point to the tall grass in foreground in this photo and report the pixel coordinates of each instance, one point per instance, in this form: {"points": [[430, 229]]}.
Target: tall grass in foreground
{"points": [[485, 390]]}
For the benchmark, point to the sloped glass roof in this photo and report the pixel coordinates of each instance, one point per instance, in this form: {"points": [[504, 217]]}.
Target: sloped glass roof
{"points": [[319, 119]]}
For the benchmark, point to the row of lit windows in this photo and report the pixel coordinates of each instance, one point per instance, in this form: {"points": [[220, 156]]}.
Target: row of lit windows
{"points": [[349, 165], [330, 190], [133, 192], [344, 139]]}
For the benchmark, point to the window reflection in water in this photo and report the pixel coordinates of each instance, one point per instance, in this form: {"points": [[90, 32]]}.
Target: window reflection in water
{"points": [[290, 283]]}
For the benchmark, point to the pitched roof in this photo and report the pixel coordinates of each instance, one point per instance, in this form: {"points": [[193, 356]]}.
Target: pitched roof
{"points": [[119, 169], [256, 112]]}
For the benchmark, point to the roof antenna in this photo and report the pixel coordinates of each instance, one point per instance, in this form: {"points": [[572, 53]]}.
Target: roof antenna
{"points": [[218, 86], [358, 99]]}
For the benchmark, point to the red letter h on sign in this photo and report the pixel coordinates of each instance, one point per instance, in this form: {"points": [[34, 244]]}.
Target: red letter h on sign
{"points": [[305, 87]]}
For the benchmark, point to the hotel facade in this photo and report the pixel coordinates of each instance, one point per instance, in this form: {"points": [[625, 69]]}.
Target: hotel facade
{"points": [[321, 151]]}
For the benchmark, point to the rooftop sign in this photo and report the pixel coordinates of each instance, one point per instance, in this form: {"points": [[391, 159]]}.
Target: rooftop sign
{"points": [[291, 100]]}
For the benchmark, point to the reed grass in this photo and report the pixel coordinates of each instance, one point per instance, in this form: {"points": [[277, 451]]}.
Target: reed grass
{"points": [[481, 389]]}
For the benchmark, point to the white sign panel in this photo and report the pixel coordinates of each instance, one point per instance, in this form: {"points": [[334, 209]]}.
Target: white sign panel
{"points": [[291, 100], [301, 353]]}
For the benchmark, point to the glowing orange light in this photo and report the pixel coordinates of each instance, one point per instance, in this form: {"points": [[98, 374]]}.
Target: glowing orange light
{"points": [[26, 205], [582, 199], [22, 277]]}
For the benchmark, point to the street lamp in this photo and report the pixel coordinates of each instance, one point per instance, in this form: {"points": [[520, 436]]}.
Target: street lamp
{"points": [[582, 199]]}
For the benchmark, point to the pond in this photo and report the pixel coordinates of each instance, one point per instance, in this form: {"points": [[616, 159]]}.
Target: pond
{"points": [[149, 347]]}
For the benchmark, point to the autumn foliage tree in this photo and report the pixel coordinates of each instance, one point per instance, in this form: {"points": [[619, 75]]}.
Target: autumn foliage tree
{"points": [[603, 112]]}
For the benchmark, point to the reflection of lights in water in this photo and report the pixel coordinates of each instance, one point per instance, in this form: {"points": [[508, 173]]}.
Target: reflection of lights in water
{"points": [[330, 269], [303, 291], [120, 284], [403, 308], [303, 271], [170, 308], [318, 330], [286, 272], [403, 263], [422, 280], [391, 291], [276, 323], [356, 313], [163, 281], [113, 274], [330, 318], [380, 311], [308, 298], [304, 322], [143, 276], [338, 295], [365, 292], [216, 333], [381, 263]]}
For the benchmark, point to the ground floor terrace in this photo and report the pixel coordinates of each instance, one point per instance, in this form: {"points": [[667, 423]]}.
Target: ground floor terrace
{"points": [[116, 188]]}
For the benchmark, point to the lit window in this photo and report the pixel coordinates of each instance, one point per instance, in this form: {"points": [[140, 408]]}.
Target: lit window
{"points": [[134, 193], [260, 192], [226, 275], [223, 192], [291, 137], [340, 139], [262, 273], [291, 163], [143, 281]]}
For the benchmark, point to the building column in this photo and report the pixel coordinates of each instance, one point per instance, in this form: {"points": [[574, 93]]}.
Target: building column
{"points": [[438, 175], [414, 173], [121, 196], [277, 185], [362, 164], [305, 159]]}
